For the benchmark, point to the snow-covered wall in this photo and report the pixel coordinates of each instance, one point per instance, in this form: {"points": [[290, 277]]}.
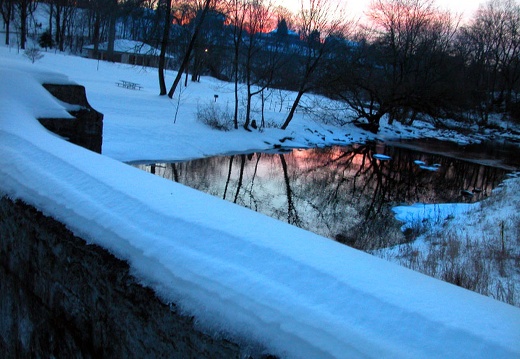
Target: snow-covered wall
{"points": [[86, 128], [63, 298]]}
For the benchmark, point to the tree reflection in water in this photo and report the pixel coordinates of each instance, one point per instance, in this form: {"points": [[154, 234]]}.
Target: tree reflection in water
{"points": [[344, 193]]}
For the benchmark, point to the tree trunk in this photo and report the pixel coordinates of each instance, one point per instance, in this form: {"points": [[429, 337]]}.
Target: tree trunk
{"points": [[51, 15], [235, 70], [228, 176], [235, 115], [111, 36], [57, 16], [97, 25], [249, 94], [248, 109], [262, 123], [292, 213], [187, 55], [240, 177], [7, 33], [23, 23], [293, 109], [183, 66], [311, 67], [164, 44], [6, 9], [63, 29]]}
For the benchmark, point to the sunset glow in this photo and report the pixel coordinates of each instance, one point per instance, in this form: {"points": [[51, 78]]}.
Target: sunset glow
{"points": [[357, 8]]}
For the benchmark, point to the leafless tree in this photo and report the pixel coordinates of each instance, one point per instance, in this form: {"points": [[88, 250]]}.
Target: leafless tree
{"points": [[492, 43], [259, 63], [97, 19], [24, 9], [211, 46], [317, 20], [61, 14], [400, 67], [236, 10], [6, 9], [282, 13], [165, 7], [198, 24]]}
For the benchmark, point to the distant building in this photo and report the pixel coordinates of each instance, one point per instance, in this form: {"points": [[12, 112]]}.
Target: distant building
{"points": [[129, 52]]}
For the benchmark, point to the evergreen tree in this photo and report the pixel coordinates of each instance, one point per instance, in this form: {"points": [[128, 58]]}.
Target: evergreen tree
{"points": [[45, 40]]}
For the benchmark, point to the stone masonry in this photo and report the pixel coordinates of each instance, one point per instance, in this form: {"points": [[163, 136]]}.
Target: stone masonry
{"points": [[63, 298]]}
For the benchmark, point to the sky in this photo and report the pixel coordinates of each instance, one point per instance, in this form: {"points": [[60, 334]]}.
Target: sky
{"points": [[467, 7]]}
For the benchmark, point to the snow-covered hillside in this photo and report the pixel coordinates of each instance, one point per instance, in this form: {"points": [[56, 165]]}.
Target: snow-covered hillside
{"points": [[240, 273]]}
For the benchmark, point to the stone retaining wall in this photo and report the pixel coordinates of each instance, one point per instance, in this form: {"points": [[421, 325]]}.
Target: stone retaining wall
{"points": [[86, 128], [63, 298]]}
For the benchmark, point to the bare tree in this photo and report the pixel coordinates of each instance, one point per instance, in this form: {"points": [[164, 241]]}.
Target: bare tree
{"points": [[210, 46], [61, 13], [102, 21], [111, 7], [401, 65], [282, 13], [165, 7], [492, 42], [292, 209], [198, 24], [318, 19], [96, 20], [24, 8], [259, 63], [236, 13], [141, 20], [6, 9]]}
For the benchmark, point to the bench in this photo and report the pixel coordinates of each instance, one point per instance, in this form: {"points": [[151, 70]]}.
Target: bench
{"points": [[129, 85]]}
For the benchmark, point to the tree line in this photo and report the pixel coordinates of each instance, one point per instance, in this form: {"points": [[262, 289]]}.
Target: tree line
{"points": [[410, 60]]}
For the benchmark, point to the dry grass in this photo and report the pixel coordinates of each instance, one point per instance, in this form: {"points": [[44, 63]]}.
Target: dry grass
{"points": [[479, 251]]}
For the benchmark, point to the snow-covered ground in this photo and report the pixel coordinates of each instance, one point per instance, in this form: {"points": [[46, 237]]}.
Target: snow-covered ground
{"points": [[241, 274], [476, 245]]}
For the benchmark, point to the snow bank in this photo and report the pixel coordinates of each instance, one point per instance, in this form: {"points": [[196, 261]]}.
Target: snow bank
{"points": [[239, 272], [435, 213], [478, 242]]}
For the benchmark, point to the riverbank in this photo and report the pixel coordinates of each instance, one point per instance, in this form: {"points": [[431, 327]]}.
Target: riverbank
{"points": [[139, 125], [473, 245]]}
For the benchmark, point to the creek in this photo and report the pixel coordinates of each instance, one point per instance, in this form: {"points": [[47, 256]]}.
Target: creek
{"points": [[347, 193]]}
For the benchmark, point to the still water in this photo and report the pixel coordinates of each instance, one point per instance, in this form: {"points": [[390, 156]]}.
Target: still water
{"points": [[344, 193]]}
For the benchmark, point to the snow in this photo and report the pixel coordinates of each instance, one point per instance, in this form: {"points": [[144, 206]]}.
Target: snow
{"points": [[479, 240], [421, 211], [429, 168], [241, 274], [424, 166], [128, 46], [382, 157]]}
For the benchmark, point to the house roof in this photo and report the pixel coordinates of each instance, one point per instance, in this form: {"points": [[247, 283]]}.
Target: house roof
{"points": [[128, 46], [289, 32]]}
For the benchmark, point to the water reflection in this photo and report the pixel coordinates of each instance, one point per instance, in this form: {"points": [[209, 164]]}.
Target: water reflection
{"points": [[343, 193]]}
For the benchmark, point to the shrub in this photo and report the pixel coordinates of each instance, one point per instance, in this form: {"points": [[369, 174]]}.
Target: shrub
{"points": [[213, 116], [45, 40], [34, 54]]}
